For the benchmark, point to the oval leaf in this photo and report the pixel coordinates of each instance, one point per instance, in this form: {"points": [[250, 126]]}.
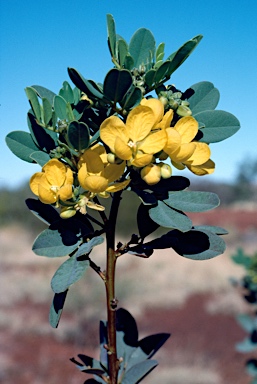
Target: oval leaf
{"points": [[139, 371], [167, 217], [141, 45], [33, 99], [66, 92], [218, 125], [116, 84], [21, 144], [192, 201], [57, 308], [205, 97], [60, 107], [78, 135]]}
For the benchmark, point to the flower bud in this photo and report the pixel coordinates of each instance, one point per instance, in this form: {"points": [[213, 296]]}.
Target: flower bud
{"points": [[166, 170], [163, 100], [151, 174], [184, 111], [111, 158], [67, 212]]}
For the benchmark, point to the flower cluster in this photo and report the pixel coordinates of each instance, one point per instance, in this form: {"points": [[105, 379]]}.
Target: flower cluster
{"points": [[142, 141]]}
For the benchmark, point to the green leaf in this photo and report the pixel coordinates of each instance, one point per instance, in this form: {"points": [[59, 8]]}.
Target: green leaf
{"points": [[218, 125], [217, 247], [192, 201], [206, 97], [33, 99], [145, 224], [212, 228], [122, 48], [47, 110], [128, 62], [167, 217], [89, 87], [138, 371], [76, 95], [78, 135], [60, 107], [85, 248], [57, 308], [111, 35], [247, 322], [161, 72], [160, 52], [178, 57], [116, 84], [132, 98], [40, 157], [246, 346], [44, 138], [149, 77], [44, 212], [44, 93], [66, 92], [68, 273], [21, 144], [141, 45]]}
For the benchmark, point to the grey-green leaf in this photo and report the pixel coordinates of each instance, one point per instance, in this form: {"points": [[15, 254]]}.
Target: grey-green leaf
{"points": [[57, 308], [218, 125], [40, 157], [47, 110], [44, 92], [78, 135], [60, 107], [33, 99], [138, 371], [111, 35], [141, 44], [122, 48], [192, 201], [206, 97], [87, 247], [21, 144], [131, 98], [68, 273], [116, 84], [167, 217], [66, 92], [217, 247]]}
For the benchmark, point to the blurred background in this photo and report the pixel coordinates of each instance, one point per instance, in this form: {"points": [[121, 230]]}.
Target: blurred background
{"points": [[194, 301]]}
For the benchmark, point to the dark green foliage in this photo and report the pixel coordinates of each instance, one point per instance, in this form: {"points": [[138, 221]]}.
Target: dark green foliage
{"points": [[135, 355]]}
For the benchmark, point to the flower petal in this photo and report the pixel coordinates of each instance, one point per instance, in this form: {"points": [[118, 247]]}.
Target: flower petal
{"points": [[167, 119], [35, 180], [187, 128], [69, 176], [139, 123], [113, 172], [141, 160], [55, 172], [154, 142], [184, 152], [82, 175], [93, 162], [95, 183], [121, 149], [151, 174], [117, 186], [65, 192], [157, 108], [201, 154], [47, 196], [204, 169], [173, 141], [111, 128], [95, 206]]}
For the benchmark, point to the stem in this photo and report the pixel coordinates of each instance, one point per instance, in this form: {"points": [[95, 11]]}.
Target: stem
{"points": [[111, 301]]}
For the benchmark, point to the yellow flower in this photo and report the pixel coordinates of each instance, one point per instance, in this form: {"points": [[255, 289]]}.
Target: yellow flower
{"points": [[98, 176], [53, 183], [141, 137], [183, 151]]}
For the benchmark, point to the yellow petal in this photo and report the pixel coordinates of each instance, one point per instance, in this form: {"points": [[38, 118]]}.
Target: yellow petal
{"points": [[121, 149], [201, 154], [184, 152], [173, 141], [141, 160], [95, 184], [113, 172], [65, 192], [35, 181], [139, 123], [95, 206], [167, 119], [55, 172], [179, 166], [151, 174], [69, 176], [154, 142], [93, 162], [204, 169], [187, 128], [110, 129], [82, 175], [47, 196], [117, 186], [156, 106]]}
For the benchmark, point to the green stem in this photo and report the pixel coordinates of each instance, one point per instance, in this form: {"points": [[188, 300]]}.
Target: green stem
{"points": [[111, 301]]}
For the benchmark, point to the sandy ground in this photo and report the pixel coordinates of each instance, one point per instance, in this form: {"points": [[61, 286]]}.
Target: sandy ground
{"points": [[193, 300]]}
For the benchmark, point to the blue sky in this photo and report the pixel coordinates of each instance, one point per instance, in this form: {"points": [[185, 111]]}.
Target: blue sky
{"points": [[40, 39]]}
